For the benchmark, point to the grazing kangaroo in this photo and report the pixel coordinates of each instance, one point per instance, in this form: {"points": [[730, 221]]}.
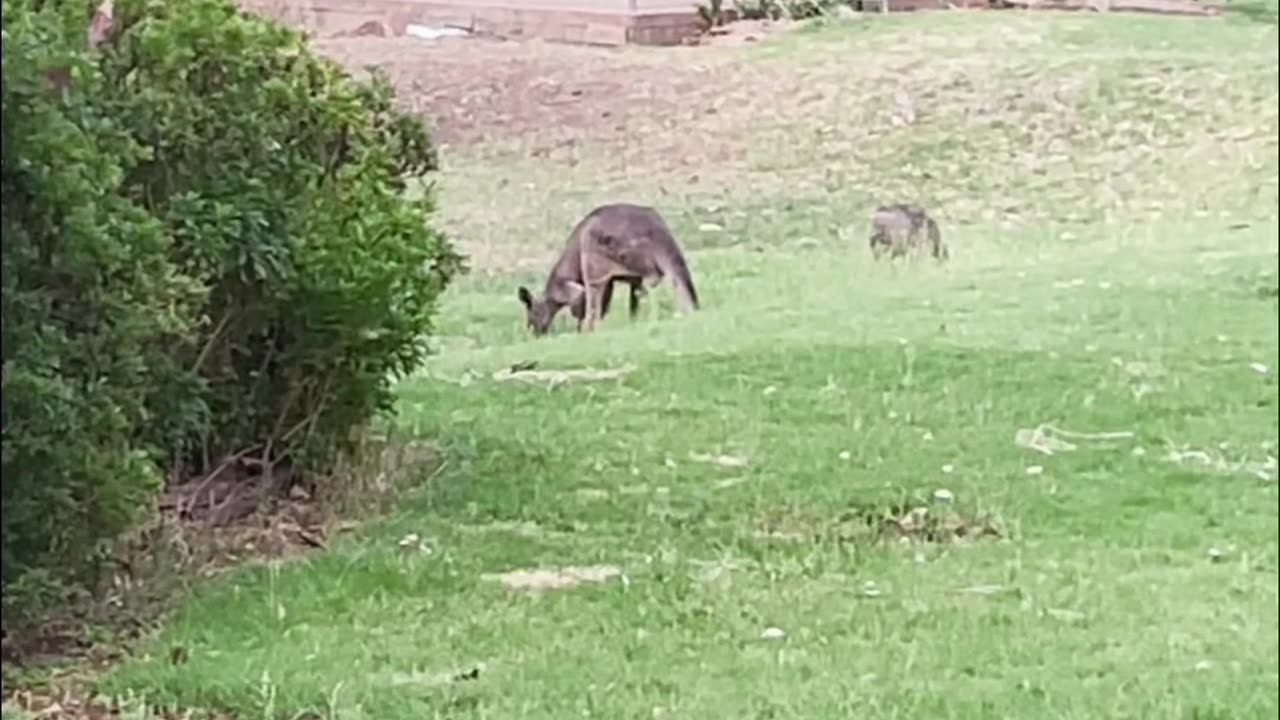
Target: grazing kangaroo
{"points": [[896, 229], [617, 242]]}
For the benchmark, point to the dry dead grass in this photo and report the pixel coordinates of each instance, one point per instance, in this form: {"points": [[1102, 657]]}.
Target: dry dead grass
{"points": [[537, 579]]}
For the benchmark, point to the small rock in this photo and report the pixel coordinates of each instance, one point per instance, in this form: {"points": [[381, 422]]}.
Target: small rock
{"points": [[1215, 555], [948, 468], [1259, 368], [1035, 470], [710, 227], [943, 495], [1203, 665], [845, 455], [772, 633], [870, 589], [1139, 451], [770, 390]]}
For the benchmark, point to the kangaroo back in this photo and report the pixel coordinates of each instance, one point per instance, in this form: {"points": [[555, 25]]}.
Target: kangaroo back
{"points": [[634, 241]]}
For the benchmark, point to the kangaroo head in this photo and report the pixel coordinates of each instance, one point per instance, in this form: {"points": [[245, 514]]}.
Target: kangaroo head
{"points": [[538, 312]]}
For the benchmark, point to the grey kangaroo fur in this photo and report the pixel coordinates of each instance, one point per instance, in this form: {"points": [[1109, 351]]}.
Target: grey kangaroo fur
{"points": [[618, 242], [896, 229]]}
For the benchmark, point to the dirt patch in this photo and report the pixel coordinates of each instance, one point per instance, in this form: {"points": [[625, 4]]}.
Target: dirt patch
{"points": [[932, 524], [475, 88], [482, 87], [939, 522], [538, 579], [230, 515]]}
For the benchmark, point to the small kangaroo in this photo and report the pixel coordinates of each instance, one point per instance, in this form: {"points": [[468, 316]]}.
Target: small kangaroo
{"points": [[616, 242], [896, 229]]}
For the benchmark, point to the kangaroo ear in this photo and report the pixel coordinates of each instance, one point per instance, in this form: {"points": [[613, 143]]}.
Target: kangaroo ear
{"points": [[525, 296]]}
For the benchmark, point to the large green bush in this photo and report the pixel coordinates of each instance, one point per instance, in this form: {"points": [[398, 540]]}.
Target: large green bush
{"points": [[209, 249]]}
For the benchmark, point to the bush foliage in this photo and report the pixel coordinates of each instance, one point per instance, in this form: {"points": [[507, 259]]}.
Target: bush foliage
{"points": [[209, 249]]}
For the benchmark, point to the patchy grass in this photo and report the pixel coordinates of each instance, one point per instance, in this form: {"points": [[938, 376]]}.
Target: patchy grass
{"points": [[766, 482], [1000, 121]]}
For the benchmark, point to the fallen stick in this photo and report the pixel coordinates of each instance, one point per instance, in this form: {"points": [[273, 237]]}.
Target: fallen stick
{"points": [[557, 377]]}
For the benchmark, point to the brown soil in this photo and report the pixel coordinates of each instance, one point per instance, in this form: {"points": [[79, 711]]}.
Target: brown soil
{"points": [[481, 87]]}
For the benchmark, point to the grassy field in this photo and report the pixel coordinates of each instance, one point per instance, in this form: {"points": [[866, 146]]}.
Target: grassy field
{"points": [[779, 482]]}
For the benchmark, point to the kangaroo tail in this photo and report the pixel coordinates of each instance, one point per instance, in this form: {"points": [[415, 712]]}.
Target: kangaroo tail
{"points": [[935, 239], [674, 266]]}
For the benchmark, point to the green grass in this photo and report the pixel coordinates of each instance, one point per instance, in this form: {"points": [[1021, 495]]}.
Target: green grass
{"points": [[849, 389]]}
